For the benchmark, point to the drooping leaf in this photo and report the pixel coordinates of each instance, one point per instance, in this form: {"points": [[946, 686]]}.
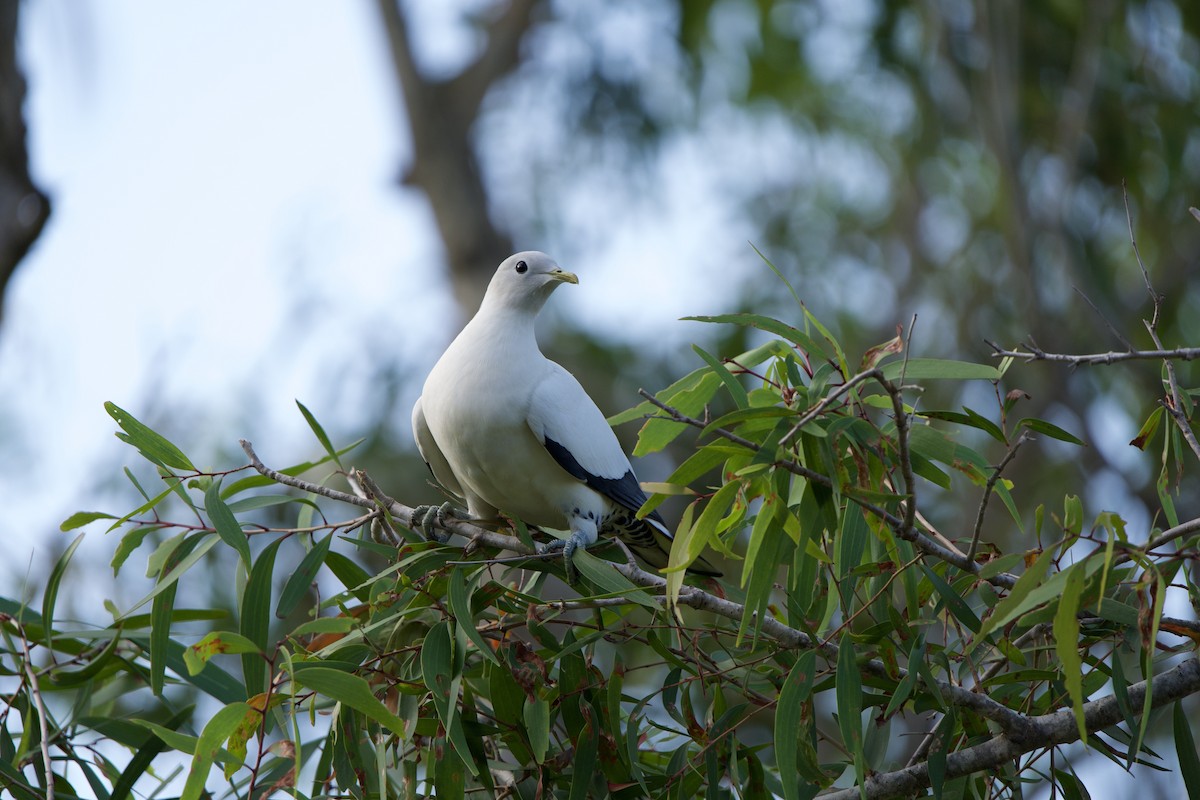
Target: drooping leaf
{"points": [[301, 580], [1066, 643], [226, 523], [797, 688]]}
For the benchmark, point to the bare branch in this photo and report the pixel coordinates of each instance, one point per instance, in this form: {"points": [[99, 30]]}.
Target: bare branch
{"points": [[1031, 352]]}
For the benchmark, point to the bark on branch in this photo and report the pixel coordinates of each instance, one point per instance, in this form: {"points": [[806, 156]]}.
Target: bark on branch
{"points": [[441, 114]]}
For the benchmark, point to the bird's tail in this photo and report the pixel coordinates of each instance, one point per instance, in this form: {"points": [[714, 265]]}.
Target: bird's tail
{"points": [[656, 548]]}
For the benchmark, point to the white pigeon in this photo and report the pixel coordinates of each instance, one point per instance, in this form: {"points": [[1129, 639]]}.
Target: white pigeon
{"points": [[507, 429]]}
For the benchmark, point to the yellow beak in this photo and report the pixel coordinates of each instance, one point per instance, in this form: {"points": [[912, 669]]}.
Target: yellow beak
{"points": [[564, 276]]}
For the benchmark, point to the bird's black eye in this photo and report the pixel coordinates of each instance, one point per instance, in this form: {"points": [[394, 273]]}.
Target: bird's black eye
{"points": [[522, 267]]}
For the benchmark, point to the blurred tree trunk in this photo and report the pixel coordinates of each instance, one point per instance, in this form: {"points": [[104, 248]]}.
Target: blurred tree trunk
{"points": [[23, 207], [441, 113]]}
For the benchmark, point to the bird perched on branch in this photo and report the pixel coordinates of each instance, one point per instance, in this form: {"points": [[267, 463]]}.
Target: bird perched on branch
{"points": [[507, 429]]}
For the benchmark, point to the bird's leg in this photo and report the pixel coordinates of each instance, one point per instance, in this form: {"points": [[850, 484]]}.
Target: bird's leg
{"points": [[583, 534], [427, 518]]}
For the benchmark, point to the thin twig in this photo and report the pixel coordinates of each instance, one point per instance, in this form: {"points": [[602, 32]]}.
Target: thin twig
{"points": [[43, 727], [989, 487], [1032, 352], [825, 403], [1120, 337], [907, 532], [1174, 405]]}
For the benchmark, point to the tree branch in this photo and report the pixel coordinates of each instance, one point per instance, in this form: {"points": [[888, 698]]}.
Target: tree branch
{"points": [[1032, 352], [1047, 730], [907, 532]]}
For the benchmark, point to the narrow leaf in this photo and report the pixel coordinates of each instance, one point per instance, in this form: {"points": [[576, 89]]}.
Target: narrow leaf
{"points": [[226, 523], [1185, 749], [152, 445], [299, 582], [797, 688], [351, 691], [1066, 644], [319, 432]]}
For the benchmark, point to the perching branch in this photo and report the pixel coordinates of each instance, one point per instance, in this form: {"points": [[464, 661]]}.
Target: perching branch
{"points": [[1009, 720]]}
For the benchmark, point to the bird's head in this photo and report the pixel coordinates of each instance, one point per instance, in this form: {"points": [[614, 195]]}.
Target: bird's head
{"points": [[525, 280]]}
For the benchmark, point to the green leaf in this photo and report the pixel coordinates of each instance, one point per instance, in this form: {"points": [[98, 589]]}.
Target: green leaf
{"points": [[849, 703], [441, 670], [50, 595], [1185, 749], [1016, 603], [145, 750], [1047, 429], [537, 727], [1066, 643], [352, 576], [81, 518], [214, 644], [218, 729], [587, 742], [351, 691], [319, 432], [953, 600], [926, 369], [794, 335], [255, 620], [660, 431], [152, 445], [299, 582], [460, 607], [797, 688], [736, 390], [226, 523]]}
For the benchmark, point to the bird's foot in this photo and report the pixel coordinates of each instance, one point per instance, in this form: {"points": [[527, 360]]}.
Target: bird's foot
{"points": [[575, 541], [426, 519]]}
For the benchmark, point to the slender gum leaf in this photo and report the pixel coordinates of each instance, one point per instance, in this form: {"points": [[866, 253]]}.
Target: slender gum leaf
{"points": [[226, 523], [584, 764], [736, 390], [1014, 604], [256, 617], [152, 445], [797, 688], [319, 432], [1066, 643], [212, 738], [50, 595], [926, 369], [849, 703], [460, 606], [1185, 749], [351, 691], [300, 581]]}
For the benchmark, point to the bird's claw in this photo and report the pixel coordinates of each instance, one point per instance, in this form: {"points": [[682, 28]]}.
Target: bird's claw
{"points": [[427, 520], [568, 546]]}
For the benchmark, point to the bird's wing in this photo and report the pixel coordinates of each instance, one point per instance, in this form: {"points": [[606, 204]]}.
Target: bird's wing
{"points": [[572, 429], [434, 458]]}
